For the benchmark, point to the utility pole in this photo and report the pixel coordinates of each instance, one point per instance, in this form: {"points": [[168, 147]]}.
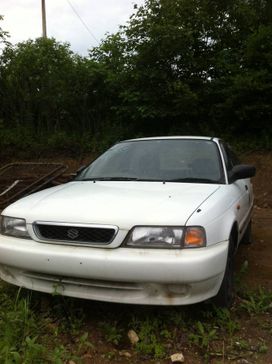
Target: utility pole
{"points": [[43, 20]]}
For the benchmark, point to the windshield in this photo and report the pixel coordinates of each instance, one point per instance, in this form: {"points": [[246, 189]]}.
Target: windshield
{"points": [[172, 160]]}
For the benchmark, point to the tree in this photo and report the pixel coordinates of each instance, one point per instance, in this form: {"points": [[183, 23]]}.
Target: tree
{"points": [[3, 35], [177, 67], [185, 65], [49, 88]]}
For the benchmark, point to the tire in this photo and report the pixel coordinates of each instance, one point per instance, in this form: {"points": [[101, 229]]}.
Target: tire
{"points": [[225, 295], [247, 238]]}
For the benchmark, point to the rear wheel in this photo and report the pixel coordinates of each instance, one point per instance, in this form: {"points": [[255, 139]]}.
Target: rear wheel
{"points": [[225, 295]]}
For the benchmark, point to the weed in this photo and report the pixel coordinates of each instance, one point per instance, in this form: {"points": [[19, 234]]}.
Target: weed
{"points": [[203, 336], [239, 277], [84, 343], [18, 330], [266, 326], [33, 351], [57, 334], [113, 333], [59, 355], [69, 314], [166, 334], [242, 344], [151, 332], [151, 347], [21, 333], [257, 302], [262, 348], [224, 321], [177, 316], [57, 289]]}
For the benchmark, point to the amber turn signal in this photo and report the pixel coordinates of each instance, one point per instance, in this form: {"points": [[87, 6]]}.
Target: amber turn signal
{"points": [[195, 237]]}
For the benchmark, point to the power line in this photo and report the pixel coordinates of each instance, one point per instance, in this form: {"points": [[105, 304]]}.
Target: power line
{"points": [[82, 21]]}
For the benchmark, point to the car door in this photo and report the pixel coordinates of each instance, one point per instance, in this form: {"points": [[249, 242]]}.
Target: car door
{"points": [[241, 188]]}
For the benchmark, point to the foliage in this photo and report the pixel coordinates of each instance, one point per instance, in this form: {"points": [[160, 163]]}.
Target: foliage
{"points": [[37, 328], [257, 302], [152, 335], [201, 66], [177, 67], [18, 331], [203, 336], [3, 34], [225, 321], [45, 87], [32, 337], [112, 333]]}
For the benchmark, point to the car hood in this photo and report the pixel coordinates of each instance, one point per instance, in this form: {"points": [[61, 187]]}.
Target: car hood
{"points": [[124, 204]]}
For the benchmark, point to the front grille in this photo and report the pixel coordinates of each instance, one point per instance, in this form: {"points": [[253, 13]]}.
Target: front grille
{"points": [[75, 234]]}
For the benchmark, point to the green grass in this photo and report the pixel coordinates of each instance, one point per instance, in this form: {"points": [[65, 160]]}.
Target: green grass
{"points": [[37, 328], [29, 335]]}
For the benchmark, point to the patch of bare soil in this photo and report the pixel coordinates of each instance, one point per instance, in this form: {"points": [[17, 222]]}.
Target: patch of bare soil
{"points": [[259, 254], [263, 179]]}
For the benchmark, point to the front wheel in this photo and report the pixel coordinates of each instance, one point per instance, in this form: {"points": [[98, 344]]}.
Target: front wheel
{"points": [[247, 238], [225, 295]]}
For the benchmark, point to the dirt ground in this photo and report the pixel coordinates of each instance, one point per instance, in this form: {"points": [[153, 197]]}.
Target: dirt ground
{"points": [[259, 254]]}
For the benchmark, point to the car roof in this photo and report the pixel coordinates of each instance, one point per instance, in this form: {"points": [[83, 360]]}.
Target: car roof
{"points": [[189, 137]]}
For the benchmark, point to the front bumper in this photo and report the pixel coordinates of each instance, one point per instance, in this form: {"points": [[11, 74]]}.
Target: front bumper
{"points": [[125, 275]]}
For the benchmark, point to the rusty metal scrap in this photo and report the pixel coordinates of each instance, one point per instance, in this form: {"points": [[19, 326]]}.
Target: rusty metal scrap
{"points": [[21, 179]]}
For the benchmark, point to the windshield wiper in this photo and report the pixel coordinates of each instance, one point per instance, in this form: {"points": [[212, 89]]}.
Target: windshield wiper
{"points": [[185, 180], [121, 179], [192, 179], [109, 179]]}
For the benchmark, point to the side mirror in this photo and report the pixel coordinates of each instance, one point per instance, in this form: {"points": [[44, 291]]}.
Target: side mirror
{"points": [[241, 171]]}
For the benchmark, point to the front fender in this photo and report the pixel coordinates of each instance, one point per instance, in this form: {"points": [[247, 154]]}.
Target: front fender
{"points": [[217, 215]]}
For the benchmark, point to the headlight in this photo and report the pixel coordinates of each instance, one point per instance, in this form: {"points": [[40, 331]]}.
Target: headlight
{"points": [[13, 226], [166, 237], [155, 237]]}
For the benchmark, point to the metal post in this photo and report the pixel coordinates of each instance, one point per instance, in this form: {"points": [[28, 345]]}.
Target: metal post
{"points": [[43, 20]]}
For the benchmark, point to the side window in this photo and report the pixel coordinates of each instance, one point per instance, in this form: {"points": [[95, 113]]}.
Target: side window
{"points": [[230, 157]]}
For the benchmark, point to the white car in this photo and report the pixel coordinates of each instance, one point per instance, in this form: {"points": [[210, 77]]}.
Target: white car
{"points": [[151, 221]]}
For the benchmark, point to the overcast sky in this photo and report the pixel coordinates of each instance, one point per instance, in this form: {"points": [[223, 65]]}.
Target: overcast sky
{"points": [[22, 19]]}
